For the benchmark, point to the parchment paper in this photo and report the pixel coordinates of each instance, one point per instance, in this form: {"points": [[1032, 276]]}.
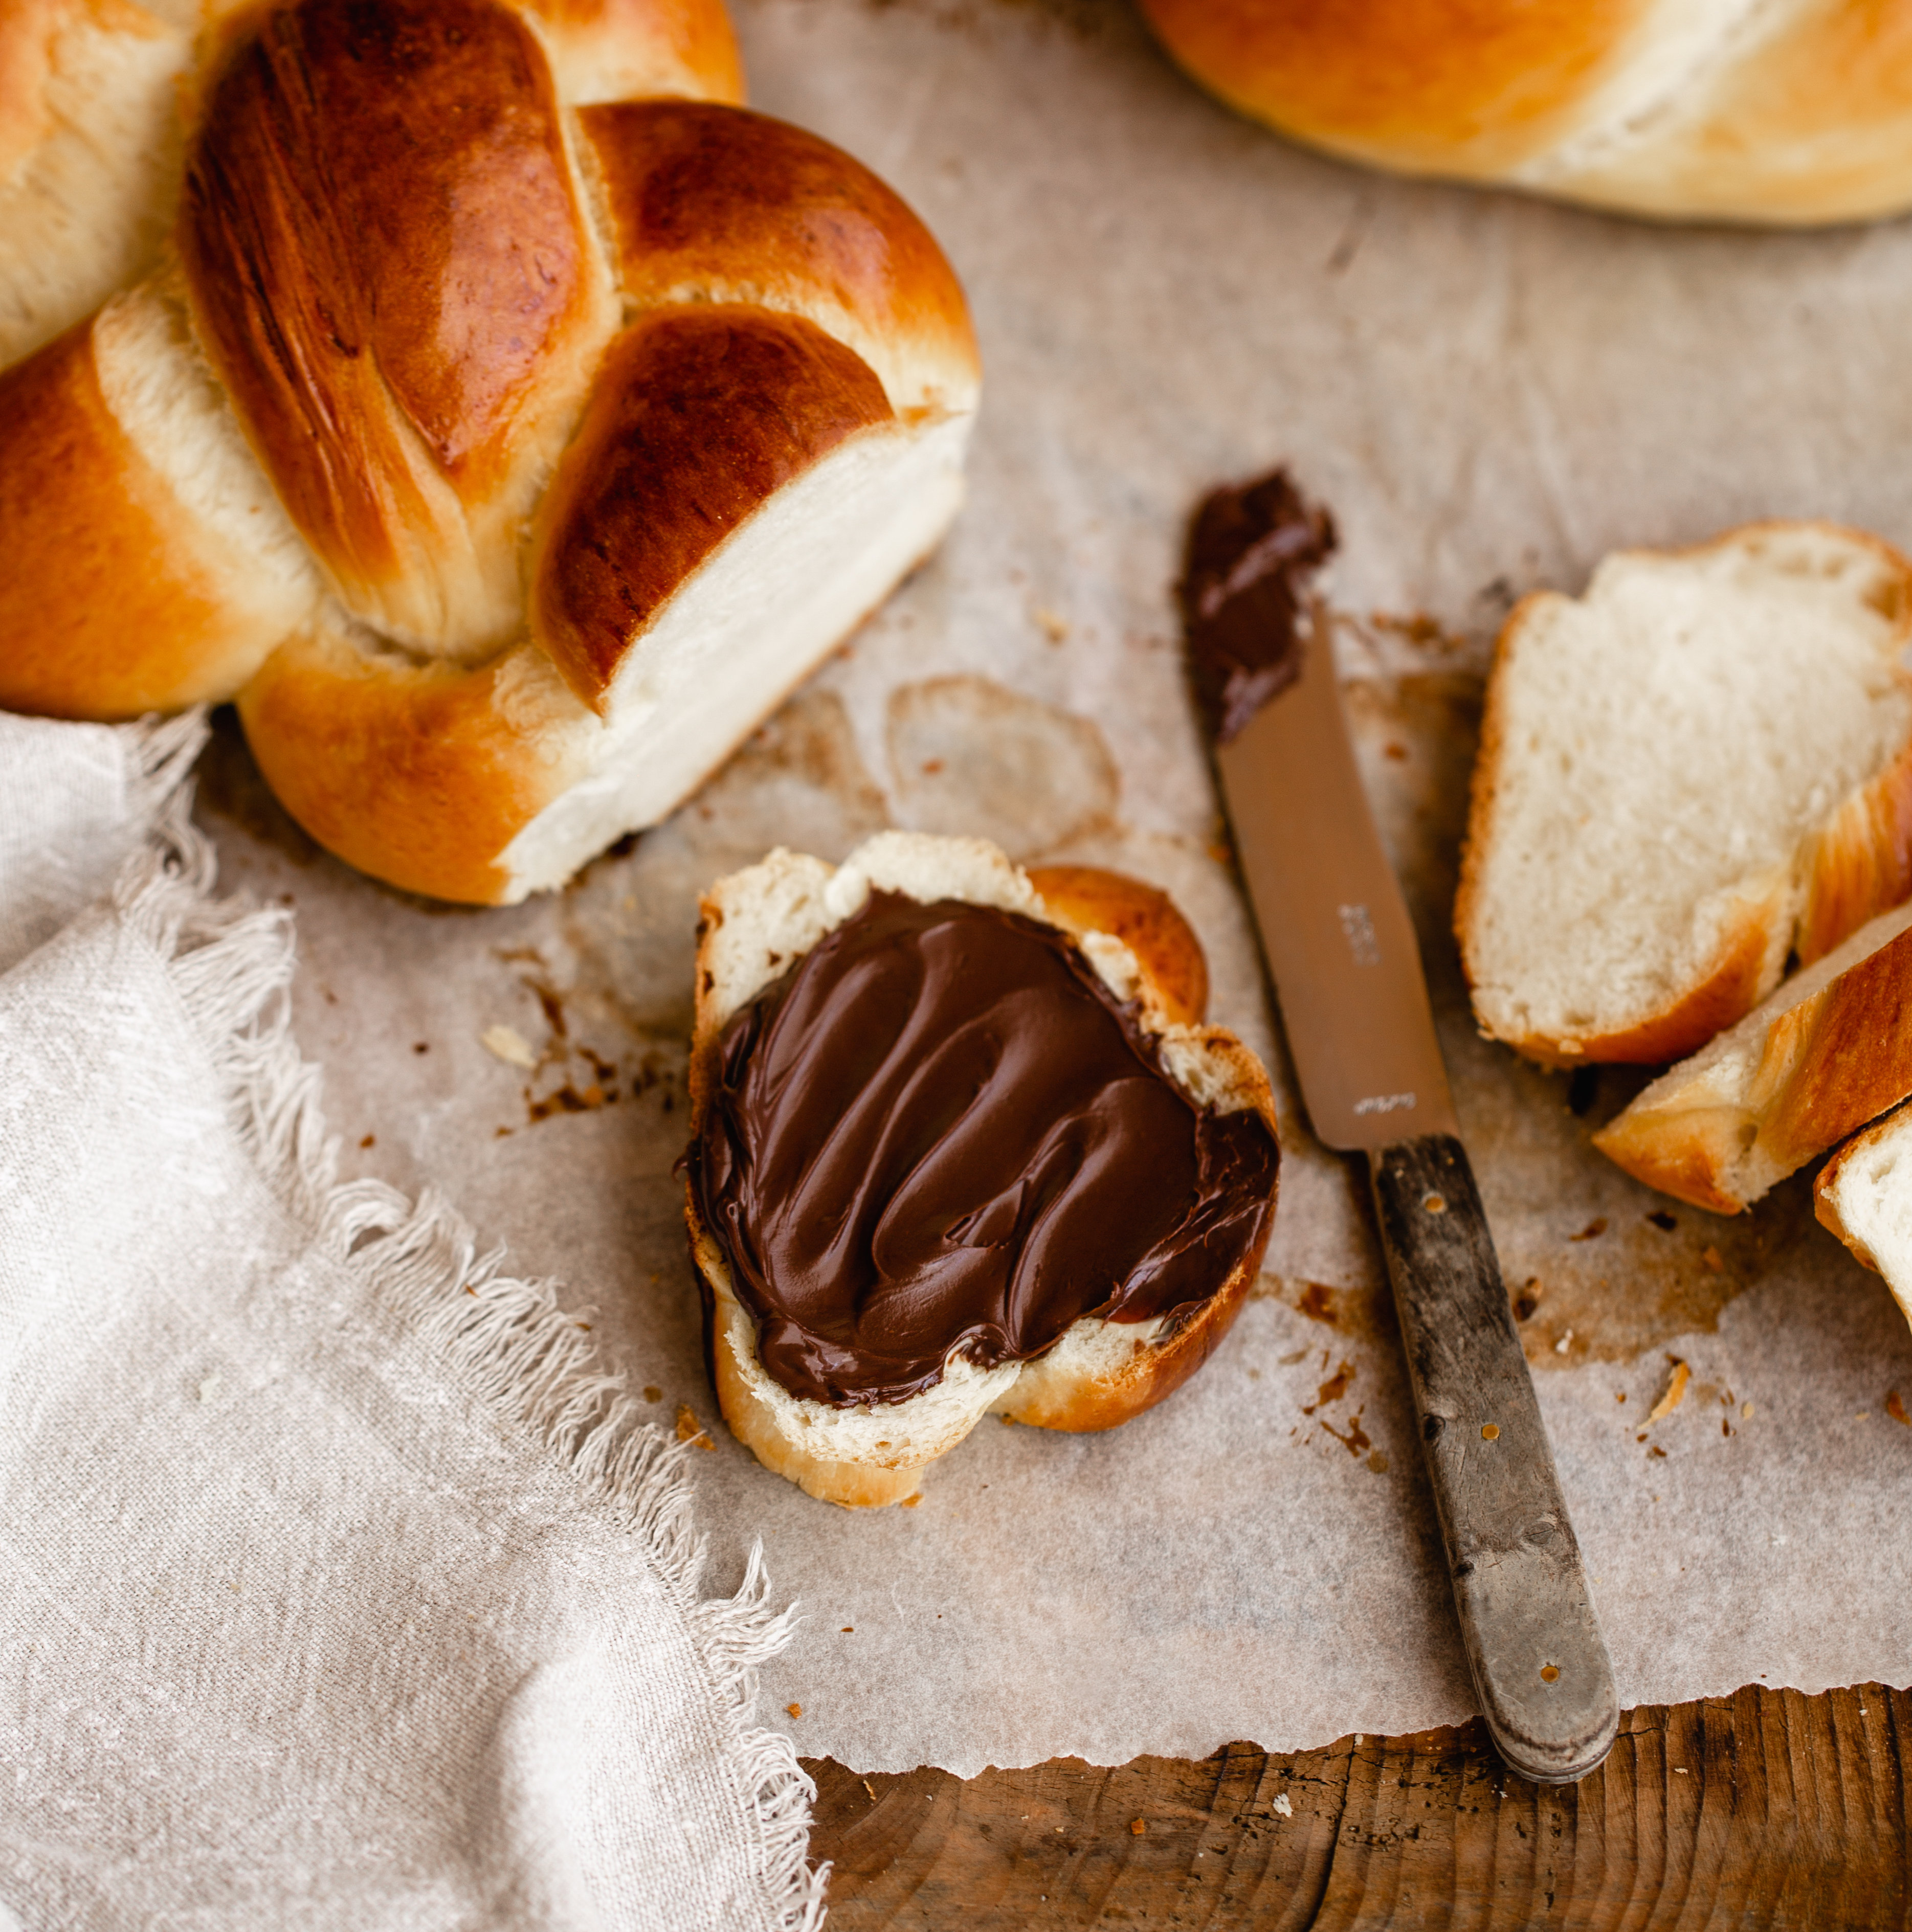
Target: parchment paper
{"points": [[1490, 393]]}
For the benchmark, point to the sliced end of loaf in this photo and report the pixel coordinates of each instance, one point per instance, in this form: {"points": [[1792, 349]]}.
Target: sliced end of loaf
{"points": [[1864, 1195], [1659, 761]]}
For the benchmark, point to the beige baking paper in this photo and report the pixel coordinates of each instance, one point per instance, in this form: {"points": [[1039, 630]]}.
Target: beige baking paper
{"points": [[1490, 393]]}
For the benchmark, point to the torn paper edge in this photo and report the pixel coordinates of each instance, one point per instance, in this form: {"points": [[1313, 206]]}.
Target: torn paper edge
{"points": [[506, 1342]]}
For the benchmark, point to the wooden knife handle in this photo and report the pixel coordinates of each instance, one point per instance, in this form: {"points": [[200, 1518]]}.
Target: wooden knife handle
{"points": [[1546, 1685]]}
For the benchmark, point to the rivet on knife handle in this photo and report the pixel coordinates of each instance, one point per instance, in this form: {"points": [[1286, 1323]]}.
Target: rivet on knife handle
{"points": [[1545, 1682]]}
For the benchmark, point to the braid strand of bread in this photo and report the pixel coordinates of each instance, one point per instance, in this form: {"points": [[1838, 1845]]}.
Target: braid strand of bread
{"points": [[506, 418]]}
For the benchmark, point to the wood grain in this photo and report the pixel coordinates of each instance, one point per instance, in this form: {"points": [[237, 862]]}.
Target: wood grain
{"points": [[1766, 1808]]}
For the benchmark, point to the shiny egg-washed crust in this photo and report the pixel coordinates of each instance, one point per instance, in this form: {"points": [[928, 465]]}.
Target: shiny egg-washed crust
{"points": [[1856, 866], [1830, 1051], [1085, 898], [1798, 112], [530, 327], [105, 641], [1090, 1381]]}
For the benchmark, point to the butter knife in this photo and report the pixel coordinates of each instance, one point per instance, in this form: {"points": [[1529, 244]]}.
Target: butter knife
{"points": [[1347, 973]]}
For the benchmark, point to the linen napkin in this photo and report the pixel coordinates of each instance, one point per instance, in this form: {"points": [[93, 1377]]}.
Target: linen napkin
{"points": [[340, 1584]]}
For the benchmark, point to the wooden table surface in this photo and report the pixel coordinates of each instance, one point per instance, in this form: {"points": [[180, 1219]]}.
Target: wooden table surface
{"points": [[1766, 1808]]}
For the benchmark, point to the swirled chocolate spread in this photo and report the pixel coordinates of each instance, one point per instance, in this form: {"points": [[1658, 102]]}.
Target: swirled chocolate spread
{"points": [[1252, 550], [939, 1132]]}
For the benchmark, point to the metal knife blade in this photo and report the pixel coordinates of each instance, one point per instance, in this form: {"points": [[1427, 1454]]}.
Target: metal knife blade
{"points": [[1347, 974]]}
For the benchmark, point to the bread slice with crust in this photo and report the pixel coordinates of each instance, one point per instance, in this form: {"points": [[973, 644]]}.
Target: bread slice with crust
{"points": [[754, 925], [1701, 765], [1831, 1050], [1864, 1194]]}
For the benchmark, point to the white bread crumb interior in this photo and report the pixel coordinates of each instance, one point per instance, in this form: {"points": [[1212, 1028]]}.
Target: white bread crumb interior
{"points": [[1864, 1196], [1658, 757]]}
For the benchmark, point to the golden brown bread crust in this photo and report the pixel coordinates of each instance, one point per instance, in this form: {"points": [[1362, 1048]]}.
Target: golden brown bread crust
{"points": [[391, 275], [420, 773], [642, 47], [1047, 1393], [114, 600], [1798, 114], [27, 28], [1834, 84], [1462, 87], [1086, 899], [700, 414], [1825, 1066], [746, 207], [1861, 864]]}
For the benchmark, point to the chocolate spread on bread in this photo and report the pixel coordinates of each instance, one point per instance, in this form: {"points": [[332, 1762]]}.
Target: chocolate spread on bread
{"points": [[939, 1132], [1251, 552]]}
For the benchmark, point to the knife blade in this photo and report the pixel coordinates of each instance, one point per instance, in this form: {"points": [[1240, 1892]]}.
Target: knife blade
{"points": [[1341, 951]]}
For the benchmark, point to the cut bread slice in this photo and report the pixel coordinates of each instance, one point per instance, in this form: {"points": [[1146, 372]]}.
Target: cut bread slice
{"points": [[1864, 1194], [1701, 765], [1831, 1050], [1100, 1373]]}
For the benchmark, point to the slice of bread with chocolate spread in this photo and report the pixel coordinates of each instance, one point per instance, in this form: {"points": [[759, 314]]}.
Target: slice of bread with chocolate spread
{"points": [[953, 1153]]}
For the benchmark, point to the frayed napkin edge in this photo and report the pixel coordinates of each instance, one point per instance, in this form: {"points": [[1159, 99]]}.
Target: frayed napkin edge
{"points": [[506, 1342]]}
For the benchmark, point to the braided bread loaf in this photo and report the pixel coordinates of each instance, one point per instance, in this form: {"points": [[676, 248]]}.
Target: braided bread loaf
{"points": [[1791, 111], [500, 414]]}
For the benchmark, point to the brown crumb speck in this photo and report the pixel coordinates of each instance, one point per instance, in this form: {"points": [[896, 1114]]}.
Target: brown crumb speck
{"points": [[1137, 1826], [1895, 1409], [1657, 1450], [911, 1502], [1711, 1256], [421, 1046], [689, 1429], [795, 1710], [1592, 1232], [1662, 1220], [1490, 1432], [370, 1140], [849, 1629], [653, 1393]]}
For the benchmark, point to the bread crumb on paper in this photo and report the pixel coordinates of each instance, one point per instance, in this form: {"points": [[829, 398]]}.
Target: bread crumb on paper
{"points": [[795, 1710], [689, 1429], [1675, 1393], [507, 1044]]}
